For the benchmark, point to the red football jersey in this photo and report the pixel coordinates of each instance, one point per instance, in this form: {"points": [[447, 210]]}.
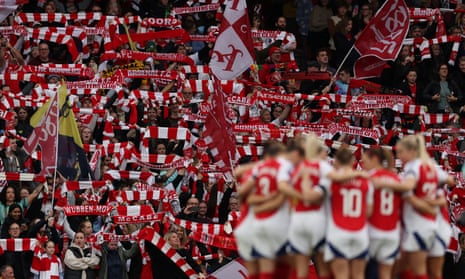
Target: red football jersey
{"points": [[244, 210], [267, 175], [349, 202], [317, 174], [427, 185], [386, 203]]}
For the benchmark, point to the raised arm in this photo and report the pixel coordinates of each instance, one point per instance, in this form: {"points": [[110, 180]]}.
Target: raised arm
{"points": [[34, 193]]}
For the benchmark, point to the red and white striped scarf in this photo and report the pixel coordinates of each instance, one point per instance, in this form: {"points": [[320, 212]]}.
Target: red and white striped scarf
{"points": [[75, 210], [82, 185], [18, 244], [250, 150], [134, 210], [46, 267], [152, 236], [215, 229], [129, 196], [437, 118], [425, 46], [195, 9], [223, 242], [138, 219], [61, 69], [121, 174]]}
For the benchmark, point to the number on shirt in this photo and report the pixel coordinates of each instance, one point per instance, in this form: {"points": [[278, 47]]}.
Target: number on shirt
{"points": [[264, 185], [351, 202], [386, 202], [429, 189]]}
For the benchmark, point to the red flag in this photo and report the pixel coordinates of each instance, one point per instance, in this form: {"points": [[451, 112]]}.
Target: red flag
{"points": [[45, 135], [218, 133], [233, 52], [382, 38]]}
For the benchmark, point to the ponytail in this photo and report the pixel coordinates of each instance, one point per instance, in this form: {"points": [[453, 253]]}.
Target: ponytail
{"points": [[313, 147], [422, 152]]}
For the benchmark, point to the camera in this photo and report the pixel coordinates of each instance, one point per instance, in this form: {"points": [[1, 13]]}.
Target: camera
{"points": [[195, 209]]}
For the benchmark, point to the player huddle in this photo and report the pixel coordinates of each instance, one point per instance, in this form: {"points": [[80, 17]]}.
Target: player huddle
{"points": [[295, 205]]}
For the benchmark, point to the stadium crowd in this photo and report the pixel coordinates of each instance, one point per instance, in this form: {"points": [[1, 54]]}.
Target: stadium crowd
{"points": [[293, 88]]}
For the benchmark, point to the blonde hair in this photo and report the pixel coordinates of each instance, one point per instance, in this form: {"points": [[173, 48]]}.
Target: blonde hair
{"points": [[313, 147], [417, 143]]}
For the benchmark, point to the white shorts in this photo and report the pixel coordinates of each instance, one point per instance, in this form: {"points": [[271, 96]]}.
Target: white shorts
{"points": [[270, 235], [384, 250], [418, 240], [441, 241], [346, 244], [307, 232], [243, 238]]}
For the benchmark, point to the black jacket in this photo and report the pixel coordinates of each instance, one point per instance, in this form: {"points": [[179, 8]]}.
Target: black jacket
{"points": [[434, 87]]}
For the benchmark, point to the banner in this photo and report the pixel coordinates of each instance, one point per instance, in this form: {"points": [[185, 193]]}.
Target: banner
{"points": [[233, 52], [218, 131], [381, 39], [44, 136], [71, 162], [82, 210], [138, 219]]}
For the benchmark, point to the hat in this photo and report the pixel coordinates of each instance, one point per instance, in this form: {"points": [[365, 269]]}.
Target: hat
{"points": [[273, 50]]}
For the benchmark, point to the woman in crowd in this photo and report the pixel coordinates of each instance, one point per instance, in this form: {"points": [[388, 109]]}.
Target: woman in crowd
{"points": [[19, 260], [15, 215], [80, 258], [46, 264], [363, 18], [442, 94], [343, 41], [9, 196]]}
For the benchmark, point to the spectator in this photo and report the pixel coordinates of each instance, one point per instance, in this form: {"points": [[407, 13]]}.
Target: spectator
{"points": [[191, 210], [113, 260], [80, 258], [23, 128], [322, 58], [288, 45], [44, 55], [341, 13], [46, 264], [443, 95], [9, 196], [319, 18], [343, 42], [15, 215], [7, 272], [363, 18], [19, 260], [412, 88]]}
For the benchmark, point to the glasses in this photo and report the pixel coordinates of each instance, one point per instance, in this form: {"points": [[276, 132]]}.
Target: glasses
{"points": [[14, 228]]}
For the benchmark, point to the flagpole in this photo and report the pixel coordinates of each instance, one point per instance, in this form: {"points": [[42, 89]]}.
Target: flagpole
{"points": [[344, 60], [56, 145]]}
